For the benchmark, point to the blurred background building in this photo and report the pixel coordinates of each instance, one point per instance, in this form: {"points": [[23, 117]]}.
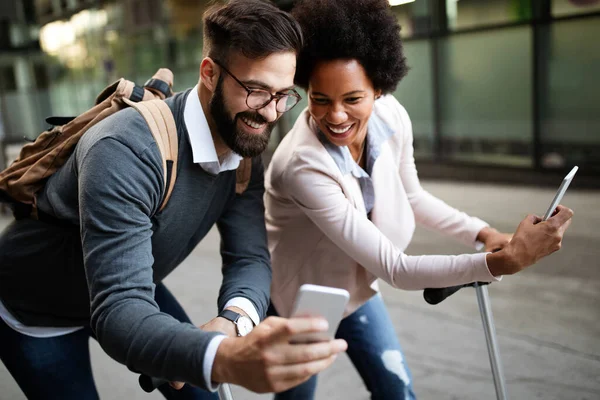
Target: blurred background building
{"points": [[498, 89]]}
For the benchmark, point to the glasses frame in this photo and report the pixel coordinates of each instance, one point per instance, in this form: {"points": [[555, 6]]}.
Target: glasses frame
{"points": [[275, 96]]}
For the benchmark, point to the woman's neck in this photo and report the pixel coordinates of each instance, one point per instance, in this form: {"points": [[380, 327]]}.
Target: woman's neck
{"points": [[359, 155], [358, 148]]}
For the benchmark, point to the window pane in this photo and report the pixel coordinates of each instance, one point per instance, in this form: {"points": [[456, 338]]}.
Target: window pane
{"points": [[8, 80], [485, 95], [569, 7], [475, 13], [148, 53], [571, 127], [25, 112], [415, 94], [414, 17]]}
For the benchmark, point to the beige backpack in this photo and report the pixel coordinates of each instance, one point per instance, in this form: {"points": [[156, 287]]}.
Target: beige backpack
{"points": [[38, 160]]}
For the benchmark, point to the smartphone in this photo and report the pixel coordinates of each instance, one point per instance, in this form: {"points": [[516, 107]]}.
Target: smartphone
{"points": [[560, 193], [320, 301]]}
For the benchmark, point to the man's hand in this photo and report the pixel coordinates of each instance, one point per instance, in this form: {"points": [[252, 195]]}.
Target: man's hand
{"points": [[492, 239], [217, 324], [533, 240], [264, 360]]}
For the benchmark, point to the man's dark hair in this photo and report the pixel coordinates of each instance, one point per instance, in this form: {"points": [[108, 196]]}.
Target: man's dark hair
{"points": [[365, 30], [256, 28]]}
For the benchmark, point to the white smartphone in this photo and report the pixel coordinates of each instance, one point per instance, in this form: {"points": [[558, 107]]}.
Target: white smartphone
{"points": [[320, 301], [560, 193]]}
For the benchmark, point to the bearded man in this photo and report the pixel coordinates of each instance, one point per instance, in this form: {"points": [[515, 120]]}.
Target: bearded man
{"points": [[95, 268]]}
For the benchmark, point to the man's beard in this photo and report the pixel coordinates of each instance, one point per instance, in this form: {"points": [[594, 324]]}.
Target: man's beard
{"points": [[243, 143]]}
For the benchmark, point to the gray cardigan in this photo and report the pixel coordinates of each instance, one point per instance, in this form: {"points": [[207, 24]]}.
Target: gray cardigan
{"points": [[100, 267]]}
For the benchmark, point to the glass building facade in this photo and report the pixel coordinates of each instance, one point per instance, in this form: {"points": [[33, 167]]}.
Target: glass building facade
{"points": [[512, 83], [496, 83]]}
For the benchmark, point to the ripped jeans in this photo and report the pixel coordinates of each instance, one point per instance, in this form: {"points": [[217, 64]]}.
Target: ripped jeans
{"points": [[374, 350]]}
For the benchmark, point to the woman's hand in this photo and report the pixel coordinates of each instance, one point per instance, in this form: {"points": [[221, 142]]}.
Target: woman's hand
{"points": [[533, 240], [492, 239]]}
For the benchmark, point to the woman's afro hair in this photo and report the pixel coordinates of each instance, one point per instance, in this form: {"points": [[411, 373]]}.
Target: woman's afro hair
{"points": [[365, 30]]}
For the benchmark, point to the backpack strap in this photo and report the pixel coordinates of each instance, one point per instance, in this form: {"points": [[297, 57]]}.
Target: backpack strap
{"points": [[242, 175], [160, 119]]}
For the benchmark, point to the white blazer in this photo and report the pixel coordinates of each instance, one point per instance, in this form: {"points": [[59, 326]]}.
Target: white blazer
{"points": [[318, 228]]}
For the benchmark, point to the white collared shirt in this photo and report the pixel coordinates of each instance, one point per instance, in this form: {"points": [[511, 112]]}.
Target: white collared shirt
{"points": [[203, 147]]}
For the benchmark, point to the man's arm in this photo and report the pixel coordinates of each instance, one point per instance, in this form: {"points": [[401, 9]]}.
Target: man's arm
{"points": [[246, 260], [119, 190]]}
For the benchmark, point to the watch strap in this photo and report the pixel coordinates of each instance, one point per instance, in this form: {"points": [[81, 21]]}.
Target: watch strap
{"points": [[230, 315]]}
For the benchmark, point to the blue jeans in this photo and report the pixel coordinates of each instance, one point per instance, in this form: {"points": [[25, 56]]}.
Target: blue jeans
{"points": [[374, 350], [59, 367]]}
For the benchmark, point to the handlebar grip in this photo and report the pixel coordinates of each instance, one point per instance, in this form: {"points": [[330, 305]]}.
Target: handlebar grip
{"points": [[437, 295], [148, 383]]}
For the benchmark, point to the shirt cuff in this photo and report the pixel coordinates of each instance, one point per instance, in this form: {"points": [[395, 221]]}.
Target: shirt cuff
{"points": [[245, 305], [492, 278], [209, 359]]}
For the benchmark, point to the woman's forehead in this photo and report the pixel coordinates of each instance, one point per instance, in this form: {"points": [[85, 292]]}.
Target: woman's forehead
{"points": [[339, 76]]}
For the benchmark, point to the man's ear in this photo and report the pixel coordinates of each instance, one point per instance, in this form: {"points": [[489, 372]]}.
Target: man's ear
{"points": [[209, 73]]}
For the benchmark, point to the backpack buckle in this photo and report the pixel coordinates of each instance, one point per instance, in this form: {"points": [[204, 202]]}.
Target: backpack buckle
{"points": [[137, 94], [159, 85]]}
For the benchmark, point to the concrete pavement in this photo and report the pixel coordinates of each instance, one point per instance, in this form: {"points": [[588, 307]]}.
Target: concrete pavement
{"points": [[546, 317]]}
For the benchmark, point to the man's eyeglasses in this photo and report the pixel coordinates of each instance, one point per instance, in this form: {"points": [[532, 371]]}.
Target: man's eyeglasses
{"points": [[259, 98]]}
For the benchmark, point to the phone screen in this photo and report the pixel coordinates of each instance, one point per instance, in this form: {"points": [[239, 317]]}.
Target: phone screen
{"points": [[560, 193]]}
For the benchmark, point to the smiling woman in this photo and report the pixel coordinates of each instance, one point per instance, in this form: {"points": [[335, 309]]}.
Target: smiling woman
{"points": [[345, 72], [341, 101], [342, 194]]}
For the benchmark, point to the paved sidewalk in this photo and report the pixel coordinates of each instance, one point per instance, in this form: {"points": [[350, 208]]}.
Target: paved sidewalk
{"points": [[546, 317]]}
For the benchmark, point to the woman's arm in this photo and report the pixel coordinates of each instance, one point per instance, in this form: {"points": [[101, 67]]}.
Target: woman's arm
{"points": [[321, 198]]}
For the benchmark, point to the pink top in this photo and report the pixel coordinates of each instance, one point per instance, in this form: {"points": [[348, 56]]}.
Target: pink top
{"points": [[318, 227]]}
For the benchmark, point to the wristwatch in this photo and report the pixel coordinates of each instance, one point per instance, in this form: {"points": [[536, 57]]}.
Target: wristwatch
{"points": [[243, 324]]}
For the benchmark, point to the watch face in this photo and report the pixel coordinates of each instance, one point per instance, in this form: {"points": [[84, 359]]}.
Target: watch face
{"points": [[244, 325]]}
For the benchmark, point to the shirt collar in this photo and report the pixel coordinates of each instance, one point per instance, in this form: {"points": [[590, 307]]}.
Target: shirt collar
{"points": [[203, 147]]}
